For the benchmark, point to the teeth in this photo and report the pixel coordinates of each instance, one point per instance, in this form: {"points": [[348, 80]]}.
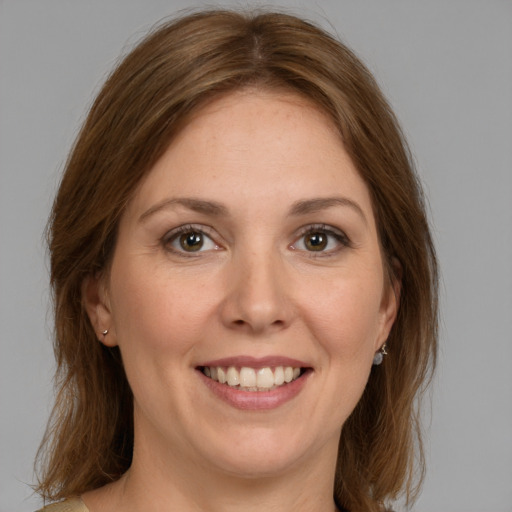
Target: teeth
{"points": [[251, 379], [233, 377], [264, 378], [279, 376], [247, 378]]}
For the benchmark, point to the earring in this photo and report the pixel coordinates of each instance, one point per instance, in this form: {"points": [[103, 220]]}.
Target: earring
{"points": [[105, 332], [379, 356]]}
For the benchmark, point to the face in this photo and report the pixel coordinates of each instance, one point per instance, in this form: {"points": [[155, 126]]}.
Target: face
{"points": [[247, 292]]}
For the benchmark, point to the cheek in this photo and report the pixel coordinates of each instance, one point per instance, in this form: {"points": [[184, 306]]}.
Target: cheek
{"points": [[154, 314], [345, 316], [159, 324]]}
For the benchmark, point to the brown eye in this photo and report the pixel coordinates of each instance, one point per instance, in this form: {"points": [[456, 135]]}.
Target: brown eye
{"points": [[191, 241], [188, 240], [316, 241], [324, 240]]}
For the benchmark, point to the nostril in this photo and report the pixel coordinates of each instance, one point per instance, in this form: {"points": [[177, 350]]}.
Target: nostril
{"points": [[276, 323]]}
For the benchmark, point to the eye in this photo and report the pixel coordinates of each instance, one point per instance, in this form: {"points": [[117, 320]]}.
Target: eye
{"points": [[321, 239], [316, 241], [189, 239]]}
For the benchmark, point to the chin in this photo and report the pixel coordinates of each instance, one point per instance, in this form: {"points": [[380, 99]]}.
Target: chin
{"points": [[267, 452], [252, 464]]}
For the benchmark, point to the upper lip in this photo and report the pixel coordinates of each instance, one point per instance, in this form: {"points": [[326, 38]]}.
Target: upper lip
{"points": [[256, 362]]}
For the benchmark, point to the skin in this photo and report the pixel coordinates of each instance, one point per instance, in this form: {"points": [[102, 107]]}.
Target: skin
{"points": [[254, 289]]}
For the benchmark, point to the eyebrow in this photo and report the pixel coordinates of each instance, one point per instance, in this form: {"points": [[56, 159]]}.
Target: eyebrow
{"points": [[214, 208], [323, 203], [196, 205]]}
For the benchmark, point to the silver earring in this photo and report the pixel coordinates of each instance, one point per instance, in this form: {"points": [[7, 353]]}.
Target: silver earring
{"points": [[105, 332], [379, 356]]}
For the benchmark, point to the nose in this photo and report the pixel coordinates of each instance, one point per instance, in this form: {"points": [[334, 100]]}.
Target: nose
{"points": [[258, 297]]}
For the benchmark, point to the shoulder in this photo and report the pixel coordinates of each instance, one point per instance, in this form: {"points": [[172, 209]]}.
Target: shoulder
{"points": [[70, 505]]}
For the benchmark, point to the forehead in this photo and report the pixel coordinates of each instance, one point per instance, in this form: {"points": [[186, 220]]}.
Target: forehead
{"points": [[273, 106], [253, 144]]}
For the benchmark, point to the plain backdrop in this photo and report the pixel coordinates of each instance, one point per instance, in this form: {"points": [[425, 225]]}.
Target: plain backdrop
{"points": [[445, 65]]}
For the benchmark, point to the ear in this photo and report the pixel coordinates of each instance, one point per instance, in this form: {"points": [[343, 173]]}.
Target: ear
{"points": [[390, 303], [97, 305]]}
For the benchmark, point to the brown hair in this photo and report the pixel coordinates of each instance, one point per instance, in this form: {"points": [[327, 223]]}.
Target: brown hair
{"points": [[143, 104]]}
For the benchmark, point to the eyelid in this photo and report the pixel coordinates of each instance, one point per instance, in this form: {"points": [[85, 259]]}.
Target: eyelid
{"points": [[172, 234], [341, 237]]}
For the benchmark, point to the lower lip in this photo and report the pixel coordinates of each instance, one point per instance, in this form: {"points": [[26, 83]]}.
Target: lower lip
{"points": [[256, 400]]}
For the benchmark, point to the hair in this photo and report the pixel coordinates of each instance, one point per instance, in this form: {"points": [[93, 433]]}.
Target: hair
{"points": [[147, 99]]}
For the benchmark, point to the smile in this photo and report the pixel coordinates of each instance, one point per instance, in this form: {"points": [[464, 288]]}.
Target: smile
{"points": [[257, 384], [253, 379]]}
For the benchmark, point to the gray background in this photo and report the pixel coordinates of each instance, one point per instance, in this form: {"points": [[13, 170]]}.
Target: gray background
{"points": [[446, 66]]}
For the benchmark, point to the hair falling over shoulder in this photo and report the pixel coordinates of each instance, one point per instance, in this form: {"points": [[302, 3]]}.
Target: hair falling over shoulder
{"points": [[178, 67]]}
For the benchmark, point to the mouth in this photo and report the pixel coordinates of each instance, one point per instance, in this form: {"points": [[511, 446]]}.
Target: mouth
{"points": [[257, 384], [247, 378]]}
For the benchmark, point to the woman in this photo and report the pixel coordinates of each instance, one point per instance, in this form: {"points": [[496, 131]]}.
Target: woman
{"points": [[244, 281]]}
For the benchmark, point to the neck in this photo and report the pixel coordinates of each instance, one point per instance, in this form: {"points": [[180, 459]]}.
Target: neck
{"points": [[226, 493]]}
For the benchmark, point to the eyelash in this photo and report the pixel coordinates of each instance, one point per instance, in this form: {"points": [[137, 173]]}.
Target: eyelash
{"points": [[173, 235], [340, 237]]}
